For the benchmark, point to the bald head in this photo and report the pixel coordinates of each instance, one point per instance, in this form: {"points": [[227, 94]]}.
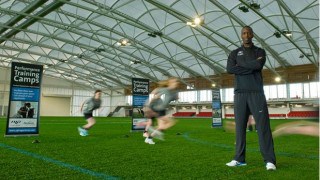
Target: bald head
{"points": [[246, 36]]}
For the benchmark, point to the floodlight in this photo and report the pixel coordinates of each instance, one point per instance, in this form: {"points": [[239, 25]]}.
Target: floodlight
{"points": [[123, 42], [277, 34], [197, 21], [244, 9], [287, 33], [277, 79]]}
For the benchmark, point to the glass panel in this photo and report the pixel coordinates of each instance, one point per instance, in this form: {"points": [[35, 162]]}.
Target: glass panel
{"points": [[282, 91], [274, 95], [295, 90], [229, 95], [188, 96], [314, 89], [267, 92], [306, 90], [205, 95]]}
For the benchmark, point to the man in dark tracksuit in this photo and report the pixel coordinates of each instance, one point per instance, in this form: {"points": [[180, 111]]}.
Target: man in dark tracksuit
{"points": [[246, 64]]}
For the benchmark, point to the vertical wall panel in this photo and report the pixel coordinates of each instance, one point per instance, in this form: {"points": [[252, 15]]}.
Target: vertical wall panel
{"points": [[55, 106]]}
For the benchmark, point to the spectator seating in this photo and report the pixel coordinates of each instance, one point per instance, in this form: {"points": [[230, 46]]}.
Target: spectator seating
{"points": [[229, 115], [277, 115], [183, 114], [292, 114], [303, 114], [204, 114]]}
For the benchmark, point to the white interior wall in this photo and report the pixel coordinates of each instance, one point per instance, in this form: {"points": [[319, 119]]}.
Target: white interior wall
{"points": [[305, 109], [229, 110], [187, 110], [55, 106], [279, 110], [115, 100], [120, 113], [205, 110]]}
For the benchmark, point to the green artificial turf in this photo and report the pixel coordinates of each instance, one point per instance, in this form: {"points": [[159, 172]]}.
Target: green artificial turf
{"points": [[192, 150]]}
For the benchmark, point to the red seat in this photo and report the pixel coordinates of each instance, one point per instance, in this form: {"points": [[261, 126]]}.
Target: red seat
{"points": [[303, 114], [204, 114], [183, 114], [229, 115]]}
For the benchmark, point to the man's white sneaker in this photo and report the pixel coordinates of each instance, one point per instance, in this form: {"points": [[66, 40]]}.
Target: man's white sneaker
{"points": [[270, 166], [234, 163], [149, 141]]}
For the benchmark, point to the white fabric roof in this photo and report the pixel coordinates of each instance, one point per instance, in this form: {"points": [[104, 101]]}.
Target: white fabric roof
{"points": [[77, 39]]}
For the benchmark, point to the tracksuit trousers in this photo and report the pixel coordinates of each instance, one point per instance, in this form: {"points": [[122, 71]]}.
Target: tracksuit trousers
{"points": [[254, 103]]}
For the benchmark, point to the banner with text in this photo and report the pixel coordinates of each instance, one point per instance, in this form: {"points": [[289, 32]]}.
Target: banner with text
{"points": [[216, 108], [140, 94], [24, 100]]}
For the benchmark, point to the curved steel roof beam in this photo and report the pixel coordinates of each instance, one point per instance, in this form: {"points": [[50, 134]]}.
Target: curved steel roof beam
{"points": [[198, 55], [123, 35], [115, 81], [299, 24], [302, 28], [33, 6], [279, 30], [240, 22], [43, 12], [138, 24], [53, 58], [90, 48], [59, 68]]}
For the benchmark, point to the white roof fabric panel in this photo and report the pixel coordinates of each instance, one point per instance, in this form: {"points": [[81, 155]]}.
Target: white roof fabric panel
{"points": [[83, 37]]}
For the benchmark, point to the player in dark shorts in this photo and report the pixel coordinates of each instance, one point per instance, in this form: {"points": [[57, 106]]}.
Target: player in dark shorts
{"points": [[159, 103], [87, 108]]}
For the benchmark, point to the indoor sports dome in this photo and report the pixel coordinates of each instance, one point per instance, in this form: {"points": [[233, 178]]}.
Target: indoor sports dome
{"points": [[85, 45], [155, 81]]}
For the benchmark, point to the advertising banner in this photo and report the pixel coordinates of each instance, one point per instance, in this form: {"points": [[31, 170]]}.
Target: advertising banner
{"points": [[216, 108], [24, 100], [140, 94]]}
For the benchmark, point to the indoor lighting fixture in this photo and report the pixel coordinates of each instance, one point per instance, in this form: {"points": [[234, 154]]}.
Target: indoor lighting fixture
{"points": [[197, 21], [155, 34], [152, 35], [255, 5], [213, 85], [277, 34], [252, 4], [244, 9], [62, 60], [135, 62], [277, 79], [46, 66], [99, 50], [287, 33], [123, 42]]}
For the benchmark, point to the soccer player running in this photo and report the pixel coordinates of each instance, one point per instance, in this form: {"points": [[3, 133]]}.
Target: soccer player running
{"points": [[87, 107], [151, 118], [159, 103], [246, 63]]}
